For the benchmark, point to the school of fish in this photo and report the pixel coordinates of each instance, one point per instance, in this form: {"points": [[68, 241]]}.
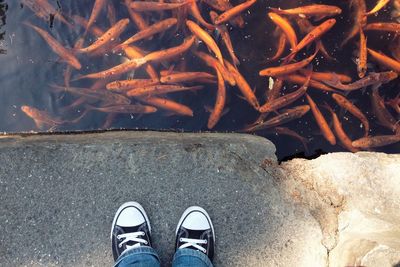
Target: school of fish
{"points": [[206, 26]]}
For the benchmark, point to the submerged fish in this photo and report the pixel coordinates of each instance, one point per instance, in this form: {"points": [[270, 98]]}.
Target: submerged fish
{"points": [[376, 141], [42, 118], [60, 50]]}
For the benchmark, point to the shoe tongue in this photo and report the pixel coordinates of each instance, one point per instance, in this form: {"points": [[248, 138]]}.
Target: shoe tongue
{"points": [[194, 234]]}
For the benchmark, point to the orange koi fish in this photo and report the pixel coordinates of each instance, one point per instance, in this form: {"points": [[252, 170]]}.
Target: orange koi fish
{"points": [[319, 11], [340, 133], [114, 71], [206, 38], [169, 105], [97, 95], [157, 27], [360, 19], [133, 52], [170, 53], [136, 63], [42, 118], [214, 63], [233, 12], [287, 69], [315, 34], [306, 27], [383, 26], [382, 114], [362, 55], [322, 76], [347, 105], [371, 79], [136, 18], [376, 141], [286, 99], [126, 85], [381, 4], [97, 7], [160, 89], [224, 5], [130, 109], [226, 39], [44, 10], [280, 48], [286, 28], [155, 6], [286, 116], [299, 79], [243, 86], [195, 12], [321, 122], [385, 60], [64, 53], [182, 77], [109, 36], [219, 106]]}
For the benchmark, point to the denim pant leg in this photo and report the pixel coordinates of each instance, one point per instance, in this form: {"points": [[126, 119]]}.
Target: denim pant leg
{"points": [[191, 258], [138, 257]]}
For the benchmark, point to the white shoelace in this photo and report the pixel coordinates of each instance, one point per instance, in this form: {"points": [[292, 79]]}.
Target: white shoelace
{"points": [[132, 237], [190, 242]]}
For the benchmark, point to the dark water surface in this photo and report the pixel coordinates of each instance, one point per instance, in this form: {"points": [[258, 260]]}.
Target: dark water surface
{"points": [[28, 66]]}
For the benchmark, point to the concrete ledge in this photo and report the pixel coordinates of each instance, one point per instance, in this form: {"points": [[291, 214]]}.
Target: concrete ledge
{"points": [[59, 194]]}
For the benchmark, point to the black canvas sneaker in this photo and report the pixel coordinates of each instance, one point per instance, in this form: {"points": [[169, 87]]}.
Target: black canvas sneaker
{"points": [[195, 231], [130, 229]]}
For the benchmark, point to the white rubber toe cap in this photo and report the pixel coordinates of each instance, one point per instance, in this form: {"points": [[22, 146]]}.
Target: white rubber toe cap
{"points": [[196, 220], [129, 217]]}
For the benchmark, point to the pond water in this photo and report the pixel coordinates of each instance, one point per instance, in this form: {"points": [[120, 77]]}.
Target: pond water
{"points": [[29, 68]]}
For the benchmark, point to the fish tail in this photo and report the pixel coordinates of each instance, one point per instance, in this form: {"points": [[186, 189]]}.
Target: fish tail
{"points": [[276, 10]]}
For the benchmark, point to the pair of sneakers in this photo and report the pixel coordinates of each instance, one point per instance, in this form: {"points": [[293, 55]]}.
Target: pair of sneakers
{"points": [[131, 229]]}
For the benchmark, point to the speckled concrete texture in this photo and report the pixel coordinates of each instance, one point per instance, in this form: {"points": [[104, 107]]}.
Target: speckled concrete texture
{"points": [[59, 193]]}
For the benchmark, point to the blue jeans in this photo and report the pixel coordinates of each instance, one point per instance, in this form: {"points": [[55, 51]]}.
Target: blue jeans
{"points": [[147, 257]]}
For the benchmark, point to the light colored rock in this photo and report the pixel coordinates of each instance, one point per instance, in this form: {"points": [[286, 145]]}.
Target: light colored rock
{"points": [[355, 198]]}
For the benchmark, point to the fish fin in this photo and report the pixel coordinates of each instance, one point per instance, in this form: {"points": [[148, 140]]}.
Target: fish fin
{"points": [[225, 111], [276, 10], [319, 18], [78, 78], [169, 114], [241, 97], [326, 106], [39, 124], [208, 108]]}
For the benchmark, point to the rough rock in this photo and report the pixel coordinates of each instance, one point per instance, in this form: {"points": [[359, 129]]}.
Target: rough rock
{"points": [[355, 198]]}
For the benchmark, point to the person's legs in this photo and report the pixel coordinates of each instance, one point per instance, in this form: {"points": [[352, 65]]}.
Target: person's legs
{"points": [[195, 239], [131, 238]]}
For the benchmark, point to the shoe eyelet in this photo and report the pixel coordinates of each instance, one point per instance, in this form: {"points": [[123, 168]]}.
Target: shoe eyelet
{"points": [[180, 240], [120, 246], [206, 242], [146, 243], [118, 237]]}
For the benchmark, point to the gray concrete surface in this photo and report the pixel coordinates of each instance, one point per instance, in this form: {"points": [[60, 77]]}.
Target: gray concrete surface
{"points": [[59, 193]]}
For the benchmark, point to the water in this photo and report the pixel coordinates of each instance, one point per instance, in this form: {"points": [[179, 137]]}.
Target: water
{"points": [[28, 66]]}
